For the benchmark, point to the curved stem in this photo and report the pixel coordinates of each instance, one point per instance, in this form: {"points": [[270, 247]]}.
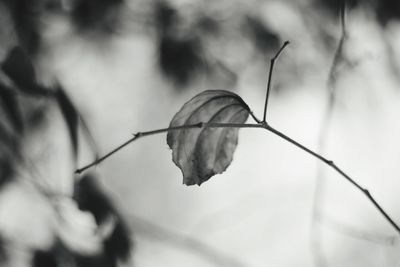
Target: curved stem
{"points": [[265, 126]]}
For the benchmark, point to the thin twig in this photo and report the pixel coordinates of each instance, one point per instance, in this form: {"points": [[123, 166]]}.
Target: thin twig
{"points": [[175, 128], [271, 68], [263, 125]]}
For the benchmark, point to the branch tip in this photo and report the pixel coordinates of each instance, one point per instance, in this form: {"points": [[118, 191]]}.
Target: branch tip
{"points": [[271, 68]]}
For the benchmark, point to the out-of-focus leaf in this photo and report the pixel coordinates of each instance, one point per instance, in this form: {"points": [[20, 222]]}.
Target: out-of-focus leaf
{"points": [[264, 39], [90, 197], [78, 229], [25, 15], [44, 259], [165, 16], [388, 10], [71, 117], [96, 15], [180, 59], [181, 56], [203, 152], [118, 244], [19, 68], [6, 171], [208, 25], [10, 105], [116, 248], [3, 255]]}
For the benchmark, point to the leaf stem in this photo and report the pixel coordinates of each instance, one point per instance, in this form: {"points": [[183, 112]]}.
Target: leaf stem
{"points": [[271, 68], [263, 125]]}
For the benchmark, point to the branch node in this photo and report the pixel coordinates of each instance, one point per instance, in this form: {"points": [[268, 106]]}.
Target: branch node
{"points": [[264, 124], [137, 135], [330, 162]]}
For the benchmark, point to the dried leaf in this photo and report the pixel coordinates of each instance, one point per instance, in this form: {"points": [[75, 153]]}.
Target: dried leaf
{"points": [[203, 152]]}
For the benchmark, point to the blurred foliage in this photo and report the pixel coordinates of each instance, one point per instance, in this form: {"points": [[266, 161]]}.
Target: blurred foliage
{"points": [[100, 15], [263, 38], [180, 48], [385, 10], [90, 197]]}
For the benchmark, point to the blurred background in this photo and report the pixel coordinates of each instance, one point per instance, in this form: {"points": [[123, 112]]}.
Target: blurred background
{"points": [[79, 77]]}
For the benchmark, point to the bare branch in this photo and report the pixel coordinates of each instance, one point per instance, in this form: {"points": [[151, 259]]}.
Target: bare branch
{"points": [[265, 126]]}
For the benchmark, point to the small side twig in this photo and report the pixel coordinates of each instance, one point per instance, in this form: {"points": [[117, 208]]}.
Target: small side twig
{"points": [[271, 68]]}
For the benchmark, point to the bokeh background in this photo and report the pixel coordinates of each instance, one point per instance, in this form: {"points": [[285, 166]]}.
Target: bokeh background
{"points": [[129, 66]]}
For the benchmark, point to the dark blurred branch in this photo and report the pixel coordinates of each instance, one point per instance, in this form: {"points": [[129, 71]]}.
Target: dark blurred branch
{"points": [[355, 232], [327, 117], [182, 241]]}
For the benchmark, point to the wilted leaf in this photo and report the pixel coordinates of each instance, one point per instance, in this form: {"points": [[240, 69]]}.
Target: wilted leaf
{"points": [[202, 152]]}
